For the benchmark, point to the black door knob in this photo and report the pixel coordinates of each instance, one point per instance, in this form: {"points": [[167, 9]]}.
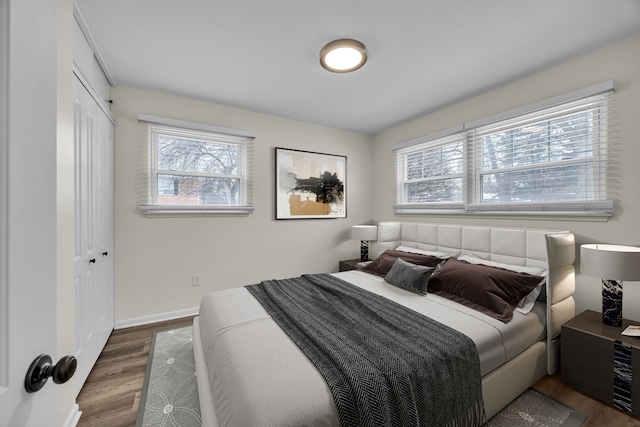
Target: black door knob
{"points": [[41, 370]]}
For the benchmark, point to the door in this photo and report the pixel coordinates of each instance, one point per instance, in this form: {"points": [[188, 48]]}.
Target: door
{"points": [[104, 173], [85, 252], [27, 207], [93, 230]]}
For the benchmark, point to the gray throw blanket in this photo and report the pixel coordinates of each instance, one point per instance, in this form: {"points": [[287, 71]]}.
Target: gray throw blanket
{"points": [[385, 364]]}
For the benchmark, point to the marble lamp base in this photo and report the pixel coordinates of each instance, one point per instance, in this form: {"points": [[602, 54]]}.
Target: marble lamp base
{"points": [[612, 302], [364, 250]]}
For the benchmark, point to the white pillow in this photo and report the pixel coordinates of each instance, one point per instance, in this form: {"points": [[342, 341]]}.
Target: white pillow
{"points": [[423, 252], [525, 304]]}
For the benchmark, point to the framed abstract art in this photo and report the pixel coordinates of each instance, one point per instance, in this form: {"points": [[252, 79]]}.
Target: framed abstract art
{"points": [[310, 185]]}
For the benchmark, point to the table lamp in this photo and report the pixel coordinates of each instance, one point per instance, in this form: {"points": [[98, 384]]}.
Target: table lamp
{"points": [[613, 264], [364, 233]]}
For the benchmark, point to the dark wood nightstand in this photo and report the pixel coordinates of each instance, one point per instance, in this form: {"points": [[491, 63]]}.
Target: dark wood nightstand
{"points": [[348, 264], [589, 349]]}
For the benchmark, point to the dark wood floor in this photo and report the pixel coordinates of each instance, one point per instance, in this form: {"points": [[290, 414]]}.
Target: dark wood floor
{"points": [[111, 395]]}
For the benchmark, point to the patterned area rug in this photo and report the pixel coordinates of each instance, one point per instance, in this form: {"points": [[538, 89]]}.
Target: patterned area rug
{"points": [[534, 409], [170, 393]]}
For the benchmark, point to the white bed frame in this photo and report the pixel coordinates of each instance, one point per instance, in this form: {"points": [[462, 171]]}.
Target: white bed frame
{"points": [[552, 249]]}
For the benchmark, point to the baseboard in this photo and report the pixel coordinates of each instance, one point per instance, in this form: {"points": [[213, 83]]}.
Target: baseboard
{"points": [[155, 318], [74, 417]]}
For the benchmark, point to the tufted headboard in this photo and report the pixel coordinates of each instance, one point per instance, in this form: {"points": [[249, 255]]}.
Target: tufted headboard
{"points": [[552, 249]]}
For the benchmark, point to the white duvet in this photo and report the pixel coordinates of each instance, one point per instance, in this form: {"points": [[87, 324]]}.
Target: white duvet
{"points": [[258, 376]]}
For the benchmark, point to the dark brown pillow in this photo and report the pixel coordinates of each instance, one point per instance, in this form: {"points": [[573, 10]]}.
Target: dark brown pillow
{"points": [[381, 265], [491, 290]]}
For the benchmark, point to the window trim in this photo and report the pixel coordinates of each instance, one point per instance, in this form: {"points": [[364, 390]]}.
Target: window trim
{"points": [[183, 124], [470, 206], [234, 136]]}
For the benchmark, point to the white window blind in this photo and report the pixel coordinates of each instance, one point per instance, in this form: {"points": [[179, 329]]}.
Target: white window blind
{"points": [[549, 158], [195, 168], [554, 159], [432, 173]]}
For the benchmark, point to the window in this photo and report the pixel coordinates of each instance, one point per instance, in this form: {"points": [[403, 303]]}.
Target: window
{"points": [[433, 172], [197, 168], [546, 159]]}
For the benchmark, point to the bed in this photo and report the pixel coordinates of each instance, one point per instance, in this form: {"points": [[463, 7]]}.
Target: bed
{"points": [[250, 373]]}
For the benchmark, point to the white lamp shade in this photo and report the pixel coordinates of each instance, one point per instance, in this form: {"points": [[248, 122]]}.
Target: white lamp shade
{"points": [[364, 232], [613, 262]]}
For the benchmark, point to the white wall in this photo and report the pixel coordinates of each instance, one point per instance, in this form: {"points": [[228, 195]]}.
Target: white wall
{"points": [[156, 257], [620, 62]]}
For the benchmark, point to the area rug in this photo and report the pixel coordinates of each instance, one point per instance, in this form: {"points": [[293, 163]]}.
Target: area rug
{"points": [[170, 392], [534, 409]]}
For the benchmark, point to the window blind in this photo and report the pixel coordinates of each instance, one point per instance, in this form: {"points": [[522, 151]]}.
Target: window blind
{"points": [[195, 167], [548, 157], [432, 172], [554, 159]]}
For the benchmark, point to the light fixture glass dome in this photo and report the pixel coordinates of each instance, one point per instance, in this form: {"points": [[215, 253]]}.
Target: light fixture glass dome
{"points": [[343, 56]]}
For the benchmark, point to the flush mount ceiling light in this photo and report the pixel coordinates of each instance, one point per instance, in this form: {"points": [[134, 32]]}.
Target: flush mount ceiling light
{"points": [[343, 56]]}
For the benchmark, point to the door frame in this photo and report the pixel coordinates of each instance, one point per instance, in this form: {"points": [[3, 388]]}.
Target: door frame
{"points": [[4, 25]]}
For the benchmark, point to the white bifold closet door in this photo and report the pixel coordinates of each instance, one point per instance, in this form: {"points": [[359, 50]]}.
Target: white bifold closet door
{"points": [[94, 168]]}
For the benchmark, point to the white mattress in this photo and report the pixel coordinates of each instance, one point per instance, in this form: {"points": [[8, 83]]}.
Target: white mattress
{"points": [[259, 377]]}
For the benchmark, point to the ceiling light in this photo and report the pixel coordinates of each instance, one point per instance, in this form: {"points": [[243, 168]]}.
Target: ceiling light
{"points": [[343, 56]]}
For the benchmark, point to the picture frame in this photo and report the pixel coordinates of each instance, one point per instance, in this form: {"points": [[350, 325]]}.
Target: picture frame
{"points": [[310, 185]]}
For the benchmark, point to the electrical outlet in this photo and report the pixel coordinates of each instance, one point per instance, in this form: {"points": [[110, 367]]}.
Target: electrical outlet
{"points": [[195, 280]]}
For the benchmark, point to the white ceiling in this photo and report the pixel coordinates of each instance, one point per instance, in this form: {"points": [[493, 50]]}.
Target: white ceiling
{"points": [[263, 55]]}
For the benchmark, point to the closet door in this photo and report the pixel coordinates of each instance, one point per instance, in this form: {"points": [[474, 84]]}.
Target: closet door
{"points": [[103, 169], [94, 231], [85, 117]]}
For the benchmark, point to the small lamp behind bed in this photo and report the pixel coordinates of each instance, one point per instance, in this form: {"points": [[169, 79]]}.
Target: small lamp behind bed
{"points": [[364, 233], [613, 264]]}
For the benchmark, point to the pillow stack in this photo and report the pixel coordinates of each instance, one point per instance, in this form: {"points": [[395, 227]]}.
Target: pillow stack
{"points": [[492, 288]]}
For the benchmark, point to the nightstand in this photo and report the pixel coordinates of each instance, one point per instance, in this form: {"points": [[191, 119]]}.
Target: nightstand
{"points": [[349, 264], [589, 349]]}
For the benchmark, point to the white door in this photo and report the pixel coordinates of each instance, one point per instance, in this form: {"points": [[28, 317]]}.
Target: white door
{"points": [[85, 253], [94, 230], [105, 230], [27, 207]]}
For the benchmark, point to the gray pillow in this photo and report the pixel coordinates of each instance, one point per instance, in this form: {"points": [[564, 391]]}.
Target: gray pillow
{"points": [[409, 276]]}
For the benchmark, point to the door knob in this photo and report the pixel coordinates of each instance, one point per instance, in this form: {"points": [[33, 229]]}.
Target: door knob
{"points": [[41, 370]]}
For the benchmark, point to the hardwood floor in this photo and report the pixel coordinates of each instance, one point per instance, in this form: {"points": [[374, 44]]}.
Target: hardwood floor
{"points": [[111, 395], [599, 414]]}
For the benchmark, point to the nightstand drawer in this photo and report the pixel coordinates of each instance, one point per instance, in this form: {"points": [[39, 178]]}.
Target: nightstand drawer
{"points": [[588, 373], [587, 343]]}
